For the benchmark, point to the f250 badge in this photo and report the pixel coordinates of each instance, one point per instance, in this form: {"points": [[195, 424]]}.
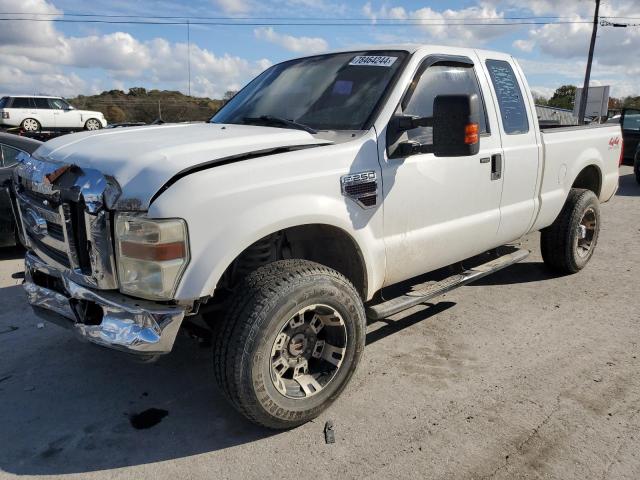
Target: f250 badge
{"points": [[361, 187], [614, 143]]}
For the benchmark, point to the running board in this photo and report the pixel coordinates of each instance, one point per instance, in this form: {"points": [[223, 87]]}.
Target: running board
{"points": [[424, 292]]}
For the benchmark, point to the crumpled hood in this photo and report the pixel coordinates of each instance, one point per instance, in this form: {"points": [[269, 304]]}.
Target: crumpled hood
{"points": [[143, 159]]}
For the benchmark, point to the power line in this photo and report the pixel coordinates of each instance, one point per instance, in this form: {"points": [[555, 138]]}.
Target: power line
{"points": [[240, 18], [408, 23]]}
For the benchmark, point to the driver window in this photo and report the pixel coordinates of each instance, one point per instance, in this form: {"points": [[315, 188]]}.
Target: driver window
{"points": [[438, 80], [57, 104]]}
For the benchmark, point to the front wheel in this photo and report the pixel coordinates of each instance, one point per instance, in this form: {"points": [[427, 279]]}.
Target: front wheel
{"points": [[92, 124], [568, 243], [290, 343]]}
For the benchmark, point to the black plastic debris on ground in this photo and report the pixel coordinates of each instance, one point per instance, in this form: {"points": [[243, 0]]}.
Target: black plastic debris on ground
{"points": [[329, 434], [147, 419]]}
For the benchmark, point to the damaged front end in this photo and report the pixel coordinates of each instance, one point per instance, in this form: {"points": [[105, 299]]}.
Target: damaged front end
{"points": [[70, 269]]}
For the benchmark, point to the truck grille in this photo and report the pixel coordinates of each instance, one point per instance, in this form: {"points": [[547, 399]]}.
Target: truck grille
{"points": [[44, 225], [58, 256], [63, 229]]}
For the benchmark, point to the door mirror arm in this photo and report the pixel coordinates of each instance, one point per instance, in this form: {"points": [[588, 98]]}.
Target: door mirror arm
{"points": [[411, 147], [402, 123]]}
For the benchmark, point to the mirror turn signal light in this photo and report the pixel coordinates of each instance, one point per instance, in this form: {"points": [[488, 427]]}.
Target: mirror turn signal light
{"points": [[471, 132]]}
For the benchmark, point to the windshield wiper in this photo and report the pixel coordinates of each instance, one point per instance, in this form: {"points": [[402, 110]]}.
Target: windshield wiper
{"points": [[273, 120]]}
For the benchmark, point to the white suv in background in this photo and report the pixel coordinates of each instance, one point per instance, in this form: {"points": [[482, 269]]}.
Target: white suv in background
{"points": [[34, 113]]}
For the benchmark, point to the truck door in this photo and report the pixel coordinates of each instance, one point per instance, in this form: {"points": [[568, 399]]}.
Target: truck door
{"points": [[521, 168], [438, 210]]}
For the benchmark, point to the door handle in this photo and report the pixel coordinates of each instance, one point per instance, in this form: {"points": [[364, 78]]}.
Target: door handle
{"points": [[484, 160], [496, 166]]}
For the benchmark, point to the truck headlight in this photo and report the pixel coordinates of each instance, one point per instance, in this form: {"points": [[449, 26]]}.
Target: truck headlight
{"points": [[151, 255]]}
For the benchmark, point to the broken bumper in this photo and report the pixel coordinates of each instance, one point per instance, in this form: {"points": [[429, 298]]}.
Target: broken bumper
{"points": [[106, 318]]}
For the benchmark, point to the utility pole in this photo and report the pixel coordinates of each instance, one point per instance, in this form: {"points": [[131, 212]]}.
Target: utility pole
{"points": [[587, 75], [189, 55]]}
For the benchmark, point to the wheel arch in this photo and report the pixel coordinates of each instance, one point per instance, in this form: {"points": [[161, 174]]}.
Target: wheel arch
{"points": [[589, 178], [322, 243]]}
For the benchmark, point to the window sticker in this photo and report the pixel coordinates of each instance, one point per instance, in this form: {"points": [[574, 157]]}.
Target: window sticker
{"points": [[342, 87], [373, 61]]}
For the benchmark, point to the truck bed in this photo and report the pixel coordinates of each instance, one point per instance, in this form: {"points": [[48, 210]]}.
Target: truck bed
{"points": [[567, 151]]}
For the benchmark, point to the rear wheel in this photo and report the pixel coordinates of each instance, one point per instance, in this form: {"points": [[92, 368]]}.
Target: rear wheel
{"points": [[568, 244], [30, 125], [291, 341], [92, 124]]}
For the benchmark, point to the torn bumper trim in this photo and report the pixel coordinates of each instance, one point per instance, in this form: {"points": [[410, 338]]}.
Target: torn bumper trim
{"points": [[106, 318]]}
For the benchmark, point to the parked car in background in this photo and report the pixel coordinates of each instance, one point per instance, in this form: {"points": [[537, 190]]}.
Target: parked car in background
{"points": [[34, 113], [629, 120], [10, 147]]}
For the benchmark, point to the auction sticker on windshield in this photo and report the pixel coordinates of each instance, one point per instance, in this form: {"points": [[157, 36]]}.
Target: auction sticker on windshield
{"points": [[373, 60]]}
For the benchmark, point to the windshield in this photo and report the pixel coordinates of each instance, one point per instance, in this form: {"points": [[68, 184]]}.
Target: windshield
{"points": [[327, 92], [3, 101]]}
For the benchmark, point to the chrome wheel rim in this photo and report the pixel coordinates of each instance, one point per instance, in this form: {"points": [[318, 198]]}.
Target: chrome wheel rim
{"points": [[92, 125], [30, 125], [308, 351], [586, 232]]}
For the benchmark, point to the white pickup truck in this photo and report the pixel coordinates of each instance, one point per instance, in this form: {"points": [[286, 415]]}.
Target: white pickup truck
{"points": [[281, 222]]}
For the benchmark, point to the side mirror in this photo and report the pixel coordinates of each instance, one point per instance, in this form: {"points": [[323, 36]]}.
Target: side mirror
{"points": [[456, 125]]}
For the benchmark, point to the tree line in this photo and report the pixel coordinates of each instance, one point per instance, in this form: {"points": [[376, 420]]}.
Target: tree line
{"points": [[147, 106], [564, 97]]}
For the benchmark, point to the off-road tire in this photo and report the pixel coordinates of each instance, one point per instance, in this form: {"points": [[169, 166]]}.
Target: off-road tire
{"points": [[262, 303], [559, 241]]}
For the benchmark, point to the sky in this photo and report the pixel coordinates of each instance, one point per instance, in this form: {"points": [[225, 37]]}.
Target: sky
{"points": [[68, 59]]}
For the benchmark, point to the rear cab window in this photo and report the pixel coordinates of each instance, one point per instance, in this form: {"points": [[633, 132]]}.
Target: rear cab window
{"points": [[509, 95]]}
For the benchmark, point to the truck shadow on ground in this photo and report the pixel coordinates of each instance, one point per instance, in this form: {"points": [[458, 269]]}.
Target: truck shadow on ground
{"points": [[628, 186], [524, 272], [11, 253], [70, 407]]}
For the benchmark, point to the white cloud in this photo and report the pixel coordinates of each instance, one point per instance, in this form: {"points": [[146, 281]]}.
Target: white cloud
{"points": [[541, 91], [433, 26], [393, 13], [571, 41], [524, 45], [233, 6], [42, 63], [291, 43]]}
